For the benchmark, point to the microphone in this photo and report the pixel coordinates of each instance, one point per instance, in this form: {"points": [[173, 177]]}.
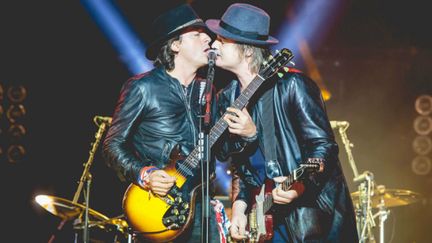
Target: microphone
{"points": [[363, 177], [211, 54], [336, 124], [102, 119]]}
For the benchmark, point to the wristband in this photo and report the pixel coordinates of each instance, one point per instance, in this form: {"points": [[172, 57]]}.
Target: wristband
{"points": [[250, 139], [144, 177]]}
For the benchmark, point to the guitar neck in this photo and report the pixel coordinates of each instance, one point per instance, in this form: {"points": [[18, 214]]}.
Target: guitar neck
{"points": [[216, 131], [239, 103]]}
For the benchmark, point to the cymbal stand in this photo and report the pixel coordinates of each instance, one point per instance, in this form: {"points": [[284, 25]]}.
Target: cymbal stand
{"points": [[86, 177], [365, 219], [382, 213]]}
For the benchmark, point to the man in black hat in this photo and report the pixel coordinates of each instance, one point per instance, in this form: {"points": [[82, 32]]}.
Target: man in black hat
{"points": [[285, 124], [157, 113]]}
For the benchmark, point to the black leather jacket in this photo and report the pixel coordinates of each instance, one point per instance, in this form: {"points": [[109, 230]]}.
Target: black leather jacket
{"points": [[324, 212], [154, 114]]}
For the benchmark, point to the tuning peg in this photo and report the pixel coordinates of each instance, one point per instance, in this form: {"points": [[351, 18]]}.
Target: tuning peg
{"points": [[286, 69], [292, 63], [277, 51], [280, 75], [265, 63]]}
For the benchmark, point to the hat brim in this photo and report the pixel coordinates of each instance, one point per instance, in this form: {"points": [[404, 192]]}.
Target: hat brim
{"points": [[214, 26], [154, 47]]}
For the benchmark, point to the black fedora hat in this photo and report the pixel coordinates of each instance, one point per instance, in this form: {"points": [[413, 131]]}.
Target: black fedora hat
{"points": [[169, 24], [244, 23]]}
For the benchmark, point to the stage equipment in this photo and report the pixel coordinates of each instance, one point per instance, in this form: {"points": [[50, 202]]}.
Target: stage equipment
{"points": [[68, 210]]}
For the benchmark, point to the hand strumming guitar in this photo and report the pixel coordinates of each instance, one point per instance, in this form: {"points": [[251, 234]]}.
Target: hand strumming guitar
{"points": [[159, 182], [238, 221]]}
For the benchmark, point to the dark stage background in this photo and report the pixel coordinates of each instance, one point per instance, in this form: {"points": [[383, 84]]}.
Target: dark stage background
{"points": [[375, 60]]}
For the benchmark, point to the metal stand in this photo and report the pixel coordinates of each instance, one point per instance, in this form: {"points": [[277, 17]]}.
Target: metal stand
{"points": [[204, 148], [365, 219], [86, 177], [382, 213]]}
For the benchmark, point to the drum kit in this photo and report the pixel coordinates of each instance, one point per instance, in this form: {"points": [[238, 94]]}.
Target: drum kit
{"points": [[83, 217], [371, 201]]}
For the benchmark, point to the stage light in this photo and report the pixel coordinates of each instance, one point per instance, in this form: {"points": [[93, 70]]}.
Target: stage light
{"points": [[423, 105], [422, 145], [422, 125], [117, 30], [15, 113], [421, 165], [223, 179], [17, 94], [16, 153], [16, 132]]}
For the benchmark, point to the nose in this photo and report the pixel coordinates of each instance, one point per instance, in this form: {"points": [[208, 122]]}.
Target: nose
{"points": [[206, 37], [215, 44]]}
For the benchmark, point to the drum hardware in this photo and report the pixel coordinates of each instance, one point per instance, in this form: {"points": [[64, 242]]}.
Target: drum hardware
{"points": [[369, 197], [381, 199], [68, 210], [65, 209]]}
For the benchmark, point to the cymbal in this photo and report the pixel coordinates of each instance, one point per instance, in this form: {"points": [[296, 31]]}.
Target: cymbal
{"points": [[111, 224], [390, 197], [66, 209]]}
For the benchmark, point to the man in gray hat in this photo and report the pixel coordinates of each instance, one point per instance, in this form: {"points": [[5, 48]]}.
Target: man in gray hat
{"points": [[156, 117], [285, 125]]}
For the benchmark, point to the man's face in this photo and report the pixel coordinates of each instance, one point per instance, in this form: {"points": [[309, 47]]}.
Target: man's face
{"points": [[192, 47], [229, 56]]}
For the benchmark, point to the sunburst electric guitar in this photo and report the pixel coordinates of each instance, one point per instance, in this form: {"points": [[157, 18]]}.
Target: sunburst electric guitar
{"points": [[161, 219], [260, 220]]}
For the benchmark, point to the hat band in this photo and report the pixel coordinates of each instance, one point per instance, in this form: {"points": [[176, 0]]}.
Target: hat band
{"points": [[247, 34], [192, 22]]}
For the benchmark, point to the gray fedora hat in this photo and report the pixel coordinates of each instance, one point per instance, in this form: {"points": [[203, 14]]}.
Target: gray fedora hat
{"points": [[244, 23]]}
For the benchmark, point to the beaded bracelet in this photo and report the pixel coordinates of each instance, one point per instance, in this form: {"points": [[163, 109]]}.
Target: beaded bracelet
{"points": [[250, 139], [144, 178]]}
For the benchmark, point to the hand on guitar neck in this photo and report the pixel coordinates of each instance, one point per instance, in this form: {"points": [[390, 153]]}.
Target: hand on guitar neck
{"points": [[281, 196], [280, 190]]}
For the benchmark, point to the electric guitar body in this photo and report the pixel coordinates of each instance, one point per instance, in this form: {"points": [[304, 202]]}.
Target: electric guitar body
{"points": [[260, 225]]}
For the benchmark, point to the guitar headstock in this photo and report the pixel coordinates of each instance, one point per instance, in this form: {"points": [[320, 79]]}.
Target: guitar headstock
{"points": [[275, 62], [310, 167]]}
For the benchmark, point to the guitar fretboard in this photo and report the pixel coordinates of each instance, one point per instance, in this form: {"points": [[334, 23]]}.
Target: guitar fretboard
{"points": [[221, 125], [268, 201]]}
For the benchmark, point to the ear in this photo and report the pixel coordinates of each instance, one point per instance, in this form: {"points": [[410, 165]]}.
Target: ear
{"points": [[175, 46], [248, 52]]}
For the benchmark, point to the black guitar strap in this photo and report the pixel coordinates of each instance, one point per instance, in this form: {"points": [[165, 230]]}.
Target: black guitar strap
{"points": [[268, 143]]}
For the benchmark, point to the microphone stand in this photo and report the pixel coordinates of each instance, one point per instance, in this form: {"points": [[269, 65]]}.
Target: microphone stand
{"points": [[348, 146], [205, 153], [86, 177]]}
